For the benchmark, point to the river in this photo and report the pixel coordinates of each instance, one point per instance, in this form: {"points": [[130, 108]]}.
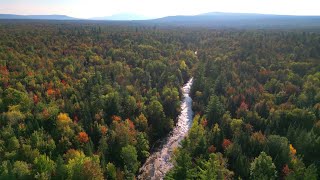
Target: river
{"points": [[159, 163]]}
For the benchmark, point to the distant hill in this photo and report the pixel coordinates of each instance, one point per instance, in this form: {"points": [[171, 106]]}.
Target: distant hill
{"points": [[208, 20], [122, 17], [240, 20], [42, 17]]}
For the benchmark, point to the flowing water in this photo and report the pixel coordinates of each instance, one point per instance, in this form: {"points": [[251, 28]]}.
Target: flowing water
{"points": [[159, 163]]}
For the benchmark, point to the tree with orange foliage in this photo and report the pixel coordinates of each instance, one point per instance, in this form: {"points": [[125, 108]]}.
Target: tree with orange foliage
{"points": [[51, 92], [130, 123], [83, 137], [103, 130], [116, 118]]}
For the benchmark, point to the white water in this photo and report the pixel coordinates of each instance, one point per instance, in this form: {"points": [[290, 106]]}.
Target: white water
{"points": [[159, 163]]}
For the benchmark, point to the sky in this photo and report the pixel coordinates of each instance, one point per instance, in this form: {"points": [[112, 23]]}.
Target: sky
{"points": [[157, 8]]}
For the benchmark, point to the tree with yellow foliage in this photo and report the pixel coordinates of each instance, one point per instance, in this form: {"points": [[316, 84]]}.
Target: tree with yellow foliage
{"points": [[293, 151], [63, 119]]}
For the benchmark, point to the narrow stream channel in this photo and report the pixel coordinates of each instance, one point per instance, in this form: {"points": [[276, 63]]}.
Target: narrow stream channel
{"points": [[159, 163]]}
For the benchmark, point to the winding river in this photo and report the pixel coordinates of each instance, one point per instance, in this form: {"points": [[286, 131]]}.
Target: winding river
{"points": [[159, 163]]}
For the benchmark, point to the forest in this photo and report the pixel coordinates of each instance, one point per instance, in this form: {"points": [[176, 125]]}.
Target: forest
{"points": [[256, 99], [83, 100]]}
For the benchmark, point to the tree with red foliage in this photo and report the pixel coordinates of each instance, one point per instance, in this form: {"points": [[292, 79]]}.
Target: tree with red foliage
{"points": [[35, 99], [226, 143], [243, 108], [286, 170], [211, 149]]}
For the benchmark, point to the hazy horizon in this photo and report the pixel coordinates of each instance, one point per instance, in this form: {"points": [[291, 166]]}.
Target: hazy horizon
{"points": [[156, 9]]}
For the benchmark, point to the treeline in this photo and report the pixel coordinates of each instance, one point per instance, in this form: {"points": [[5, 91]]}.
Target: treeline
{"points": [[86, 101], [257, 99]]}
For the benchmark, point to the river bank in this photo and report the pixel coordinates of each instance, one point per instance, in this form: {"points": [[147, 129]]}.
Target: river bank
{"points": [[159, 163]]}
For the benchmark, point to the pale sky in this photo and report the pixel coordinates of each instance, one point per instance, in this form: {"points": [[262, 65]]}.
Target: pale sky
{"points": [[157, 8]]}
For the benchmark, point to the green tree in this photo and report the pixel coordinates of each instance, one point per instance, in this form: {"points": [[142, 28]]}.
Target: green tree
{"points": [[81, 167], [142, 146], [6, 170], [130, 161], [160, 124], [61, 171], [196, 136], [183, 165], [15, 97], [214, 110], [141, 123], [21, 170], [14, 115], [299, 171], [263, 168], [171, 101], [278, 149], [112, 103], [215, 168], [13, 144], [111, 171], [129, 106], [43, 167]]}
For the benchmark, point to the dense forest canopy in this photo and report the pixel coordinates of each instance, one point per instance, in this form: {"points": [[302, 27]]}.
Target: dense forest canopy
{"points": [[91, 101], [256, 96], [86, 101]]}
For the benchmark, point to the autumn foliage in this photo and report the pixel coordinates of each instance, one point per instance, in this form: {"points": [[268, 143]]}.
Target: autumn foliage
{"points": [[35, 99], [226, 143], [64, 118], [116, 118], [81, 93], [293, 151], [286, 170], [71, 154], [103, 130], [83, 137], [211, 149]]}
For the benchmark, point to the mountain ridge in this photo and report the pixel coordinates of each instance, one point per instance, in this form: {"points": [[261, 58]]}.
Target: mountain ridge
{"points": [[138, 17], [40, 17], [209, 20]]}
